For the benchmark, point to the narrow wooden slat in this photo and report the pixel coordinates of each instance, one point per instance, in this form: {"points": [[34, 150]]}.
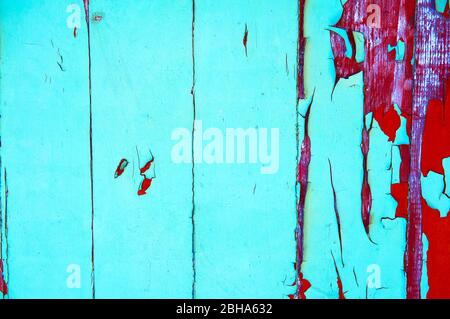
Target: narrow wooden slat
{"points": [[141, 83], [45, 151], [246, 219]]}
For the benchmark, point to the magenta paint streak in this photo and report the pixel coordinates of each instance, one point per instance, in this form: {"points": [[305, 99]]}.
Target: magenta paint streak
{"points": [[3, 286], [245, 39], [3, 282], [302, 179], [86, 10], [432, 61], [366, 193], [304, 156]]}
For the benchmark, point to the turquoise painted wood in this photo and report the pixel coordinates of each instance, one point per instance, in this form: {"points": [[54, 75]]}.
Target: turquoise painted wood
{"points": [[141, 92], [142, 75], [45, 150], [245, 214]]}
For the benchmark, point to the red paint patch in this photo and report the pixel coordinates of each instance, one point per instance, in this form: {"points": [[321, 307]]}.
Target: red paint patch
{"points": [[344, 66], [3, 286], [435, 148], [146, 167], [389, 122], [302, 179], [400, 193], [436, 135], [147, 182], [341, 291], [75, 32], [304, 286], [145, 185], [121, 168], [437, 230], [366, 193]]}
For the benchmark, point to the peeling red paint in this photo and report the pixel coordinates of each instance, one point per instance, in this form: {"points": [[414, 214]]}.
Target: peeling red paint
{"points": [[3, 286], [406, 164], [146, 182], [3, 283], [121, 168], [435, 148], [389, 121], [366, 194], [302, 179], [339, 282], [436, 135], [380, 66], [75, 32], [400, 193], [147, 165], [145, 185], [386, 82], [437, 230], [302, 284], [344, 66], [432, 61], [341, 290]]}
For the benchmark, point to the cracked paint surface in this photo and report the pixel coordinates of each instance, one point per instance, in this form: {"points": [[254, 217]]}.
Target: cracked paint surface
{"points": [[341, 234]]}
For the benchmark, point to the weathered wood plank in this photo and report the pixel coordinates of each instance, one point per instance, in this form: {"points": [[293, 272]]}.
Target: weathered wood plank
{"points": [[45, 151], [245, 215], [141, 83]]}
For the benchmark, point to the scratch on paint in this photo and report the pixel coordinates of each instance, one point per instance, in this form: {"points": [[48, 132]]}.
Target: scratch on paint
{"points": [[91, 160], [194, 118], [302, 180], [338, 220], [61, 61]]}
